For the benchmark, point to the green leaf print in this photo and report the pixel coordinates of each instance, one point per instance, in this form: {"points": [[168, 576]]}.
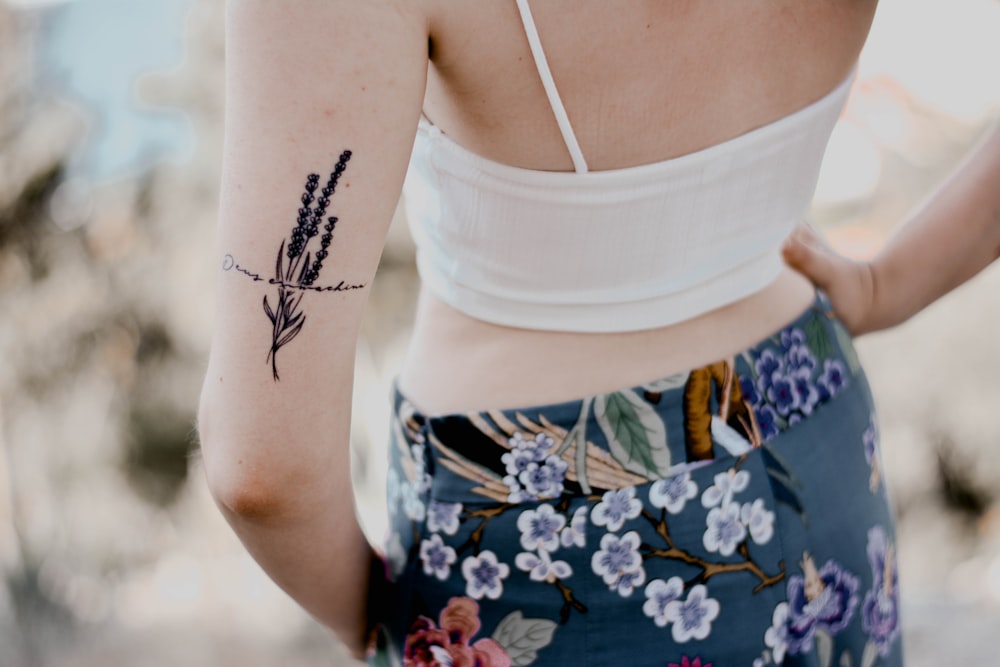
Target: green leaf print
{"points": [[636, 434], [523, 637], [846, 344], [817, 339], [870, 654], [824, 647]]}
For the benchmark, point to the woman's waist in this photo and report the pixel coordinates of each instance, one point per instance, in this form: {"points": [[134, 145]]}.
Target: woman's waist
{"points": [[637, 432], [458, 363]]}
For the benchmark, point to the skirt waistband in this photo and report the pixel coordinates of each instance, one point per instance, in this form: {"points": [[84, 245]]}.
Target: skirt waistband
{"points": [[636, 434]]}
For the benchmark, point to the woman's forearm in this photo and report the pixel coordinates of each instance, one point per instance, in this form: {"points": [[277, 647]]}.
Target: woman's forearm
{"points": [[321, 559], [947, 241], [293, 510]]}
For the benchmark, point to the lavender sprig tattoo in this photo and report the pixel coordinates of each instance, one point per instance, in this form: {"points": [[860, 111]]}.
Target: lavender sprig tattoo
{"points": [[296, 267]]}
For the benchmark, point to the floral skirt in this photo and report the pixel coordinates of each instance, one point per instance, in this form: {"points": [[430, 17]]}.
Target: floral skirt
{"points": [[731, 516]]}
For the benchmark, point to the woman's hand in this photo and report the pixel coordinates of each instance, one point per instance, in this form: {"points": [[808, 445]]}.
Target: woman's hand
{"points": [[947, 241], [850, 284]]}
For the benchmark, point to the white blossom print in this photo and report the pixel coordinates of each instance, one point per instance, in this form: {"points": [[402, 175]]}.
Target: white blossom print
{"points": [[629, 581], [437, 557], [615, 507], [726, 484], [692, 618], [413, 505], [484, 576], [523, 451], [618, 562], [541, 567], [411, 492], [659, 594], [673, 493], [532, 472], [421, 479], [544, 480], [540, 528], [725, 530], [776, 636], [575, 535], [759, 521], [392, 490], [395, 554], [443, 517]]}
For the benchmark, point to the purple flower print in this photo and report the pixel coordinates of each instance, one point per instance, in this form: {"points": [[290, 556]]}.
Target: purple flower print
{"points": [[517, 460], [437, 557], [615, 507], [443, 517], [537, 481], [692, 618], [484, 575], [629, 581], [792, 338], [575, 533], [783, 394], [807, 393], [749, 390], [545, 480], [673, 493], [724, 529], [833, 379], [541, 567], [522, 452], [659, 593], [540, 528], [880, 609], [766, 365], [617, 557], [824, 598], [799, 359], [767, 421]]}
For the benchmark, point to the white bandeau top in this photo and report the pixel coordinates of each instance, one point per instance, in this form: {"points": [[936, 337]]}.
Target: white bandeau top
{"points": [[618, 250]]}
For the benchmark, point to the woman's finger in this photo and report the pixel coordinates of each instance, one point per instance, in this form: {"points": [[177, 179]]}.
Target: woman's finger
{"points": [[806, 252]]}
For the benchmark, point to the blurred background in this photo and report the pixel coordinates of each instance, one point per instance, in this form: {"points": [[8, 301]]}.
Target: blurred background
{"points": [[111, 550]]}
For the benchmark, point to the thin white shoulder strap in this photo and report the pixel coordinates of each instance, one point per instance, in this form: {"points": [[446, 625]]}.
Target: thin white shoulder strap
{"points": [[545, 74]]}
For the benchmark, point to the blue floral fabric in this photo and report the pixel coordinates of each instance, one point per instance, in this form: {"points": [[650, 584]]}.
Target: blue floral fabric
{"points": [[733, 515]]}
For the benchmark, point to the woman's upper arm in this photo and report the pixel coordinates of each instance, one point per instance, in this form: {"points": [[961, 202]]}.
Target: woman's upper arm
{"points": [[322, 103]]}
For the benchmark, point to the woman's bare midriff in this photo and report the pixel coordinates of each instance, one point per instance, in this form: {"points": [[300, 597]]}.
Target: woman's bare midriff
{"points": [[456, 363]]}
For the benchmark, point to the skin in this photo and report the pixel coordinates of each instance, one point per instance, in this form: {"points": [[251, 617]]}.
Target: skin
{"points": [[944, 243], [308, 79]]}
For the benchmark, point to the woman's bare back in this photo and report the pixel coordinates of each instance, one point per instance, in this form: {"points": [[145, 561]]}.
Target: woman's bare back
{"points": [[642, 82]]}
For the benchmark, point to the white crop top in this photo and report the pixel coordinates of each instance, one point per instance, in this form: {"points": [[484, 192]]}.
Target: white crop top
{"points": [[618, 250]]}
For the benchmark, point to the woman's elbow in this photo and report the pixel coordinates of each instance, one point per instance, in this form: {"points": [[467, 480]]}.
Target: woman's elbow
{"points": [[242, 480]]}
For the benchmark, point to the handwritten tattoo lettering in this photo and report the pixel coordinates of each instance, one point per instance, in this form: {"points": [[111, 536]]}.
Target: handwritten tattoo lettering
{"points": [[229, 263], [298, 265]]}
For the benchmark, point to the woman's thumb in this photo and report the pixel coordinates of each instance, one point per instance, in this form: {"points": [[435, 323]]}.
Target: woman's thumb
{"points": [[808, 254]]}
